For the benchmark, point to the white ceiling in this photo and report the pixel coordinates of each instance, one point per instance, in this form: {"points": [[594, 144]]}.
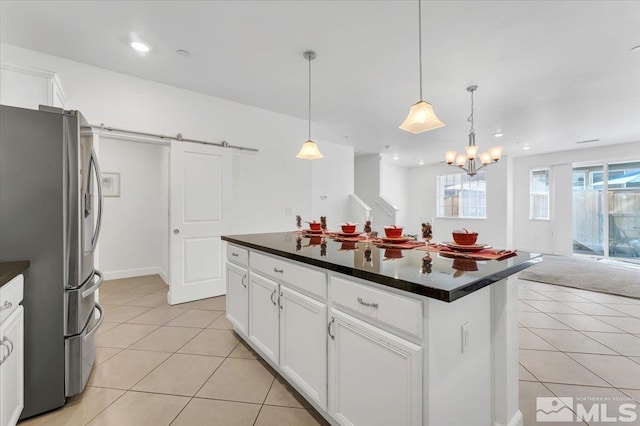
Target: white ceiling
{"points": [[550, 73]]}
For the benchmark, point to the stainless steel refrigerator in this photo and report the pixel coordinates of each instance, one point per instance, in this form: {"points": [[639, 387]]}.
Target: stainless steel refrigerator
{"points": [[50, 214]]}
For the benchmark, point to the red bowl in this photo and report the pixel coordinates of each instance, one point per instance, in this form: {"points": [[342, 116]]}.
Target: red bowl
{"points": [[465, 238], [393, 253], [349, 228], [314, 226], [393, 231], [348, 245]]}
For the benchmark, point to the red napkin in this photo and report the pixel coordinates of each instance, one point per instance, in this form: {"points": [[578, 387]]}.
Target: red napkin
{"points": [[485, 254]]}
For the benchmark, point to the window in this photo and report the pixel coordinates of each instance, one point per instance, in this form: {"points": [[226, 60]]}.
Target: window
{"points": [[461, 195], [539, 194]]}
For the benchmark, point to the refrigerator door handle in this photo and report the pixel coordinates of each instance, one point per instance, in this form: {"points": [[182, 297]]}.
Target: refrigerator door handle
{"points": [[94, 287], [97, 326], [96, 168]]}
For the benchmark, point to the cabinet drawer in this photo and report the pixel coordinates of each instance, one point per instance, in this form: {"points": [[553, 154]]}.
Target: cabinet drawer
{"points": [[238, 255], [11, 296], [387, 308], [306, 279]]}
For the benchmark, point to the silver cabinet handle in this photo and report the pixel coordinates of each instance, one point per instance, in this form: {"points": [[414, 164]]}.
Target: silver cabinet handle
{"points": [[244, 277], [3, 357], [234, 254], [280, 300], [272, 299], [6, 305], [279, 271], [333, 336], [368, 304]]}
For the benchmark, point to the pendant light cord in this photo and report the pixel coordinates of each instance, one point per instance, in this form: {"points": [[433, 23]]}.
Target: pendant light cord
{"points": [[420, 42], [470, 119], [309, 97]]}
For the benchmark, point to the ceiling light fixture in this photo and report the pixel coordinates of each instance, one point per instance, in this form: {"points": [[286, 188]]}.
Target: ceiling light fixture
{"points": [[468, 162], [421, 115], [140, 46], [395, 157], [498, 134], [309, 150], [526, 147], [421, 162]]}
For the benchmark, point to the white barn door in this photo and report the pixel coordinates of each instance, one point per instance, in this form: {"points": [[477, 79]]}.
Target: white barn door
{"points": [[199, 213]]}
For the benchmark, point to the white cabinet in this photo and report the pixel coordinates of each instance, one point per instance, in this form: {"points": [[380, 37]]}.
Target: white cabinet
{"points": [[28, 87], [238, 297], [11, 352], [375, 378], [264, 316], [303, 343]]}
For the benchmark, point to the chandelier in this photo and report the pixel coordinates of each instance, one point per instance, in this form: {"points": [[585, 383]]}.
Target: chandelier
{"points": [[468, 162]]}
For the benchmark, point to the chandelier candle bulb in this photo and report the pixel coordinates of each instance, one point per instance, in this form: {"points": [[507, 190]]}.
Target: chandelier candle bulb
{"points": [[461, 160], [471, 151]]}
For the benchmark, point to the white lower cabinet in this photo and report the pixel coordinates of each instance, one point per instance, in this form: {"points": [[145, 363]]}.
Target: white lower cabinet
{"points": [[375, 378], [238, 297], [12, 367], [303, 343], [264, 313]]}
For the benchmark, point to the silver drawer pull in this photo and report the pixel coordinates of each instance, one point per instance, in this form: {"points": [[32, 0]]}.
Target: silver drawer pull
{"points": [[272, 297], [279, 271], [6, 305], [368, 304], [234, 254], [9, 346], [243, 281], [333, 336]]}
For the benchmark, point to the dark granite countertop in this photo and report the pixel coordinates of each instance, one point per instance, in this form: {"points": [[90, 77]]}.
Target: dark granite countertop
{"points": [[409, 273], [10, 270]]}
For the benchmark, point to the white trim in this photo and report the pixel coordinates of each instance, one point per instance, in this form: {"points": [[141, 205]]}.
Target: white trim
{"points": [[128, 273], [38, 72], [164, 276]]}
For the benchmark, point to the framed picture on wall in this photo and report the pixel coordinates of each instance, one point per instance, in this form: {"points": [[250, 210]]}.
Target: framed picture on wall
{"points": [[110, 184]]}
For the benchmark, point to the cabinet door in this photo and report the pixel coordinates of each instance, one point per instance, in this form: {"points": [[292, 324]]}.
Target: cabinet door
{"points": [[303, 343], [375, 378], [264, 315], [12, 368], [238, 297]]}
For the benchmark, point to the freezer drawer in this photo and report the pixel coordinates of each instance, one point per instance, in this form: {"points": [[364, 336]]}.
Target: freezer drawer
{"points": [[80, 352], [79, 303]]}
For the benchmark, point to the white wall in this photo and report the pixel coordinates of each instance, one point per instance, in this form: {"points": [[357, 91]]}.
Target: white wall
{"points": [[556, 235], [267, 185], [332, 182], [394, 187], [422, 190], [367, 187], [134, 240]]}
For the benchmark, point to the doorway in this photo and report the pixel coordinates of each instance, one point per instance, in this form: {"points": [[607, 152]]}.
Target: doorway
{"points": [[607, 225]]}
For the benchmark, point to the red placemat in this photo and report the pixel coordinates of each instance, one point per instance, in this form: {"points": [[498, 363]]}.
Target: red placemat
{"points": [[405, 246], [486, 254]]}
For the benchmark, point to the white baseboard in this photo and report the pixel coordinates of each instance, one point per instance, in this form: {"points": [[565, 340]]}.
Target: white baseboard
{"points": [[164, 276], [128, 273]]}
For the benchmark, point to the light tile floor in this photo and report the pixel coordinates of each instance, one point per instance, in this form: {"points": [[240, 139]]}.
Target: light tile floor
{"points": [[183, 365]]}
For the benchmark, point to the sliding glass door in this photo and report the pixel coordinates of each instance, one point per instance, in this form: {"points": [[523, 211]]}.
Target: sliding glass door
{"points": [[607, 226]]}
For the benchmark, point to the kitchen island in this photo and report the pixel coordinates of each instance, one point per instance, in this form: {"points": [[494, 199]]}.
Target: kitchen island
{"points": [[373, 336]]}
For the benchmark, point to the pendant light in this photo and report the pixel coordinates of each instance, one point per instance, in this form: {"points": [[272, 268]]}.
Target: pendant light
{"points": [[309, 150], [468, 162], [421, 115]]}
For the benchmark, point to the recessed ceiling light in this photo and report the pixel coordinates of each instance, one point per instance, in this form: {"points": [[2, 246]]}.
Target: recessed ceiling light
{"points": [[140, 47], [526, 147], [421, 163], [636, 48], [498, 134], [182, 52], [395, 157]]}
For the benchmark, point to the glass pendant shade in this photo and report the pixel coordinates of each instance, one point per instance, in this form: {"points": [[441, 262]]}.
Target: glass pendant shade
{"points": [[496, 152], [450, 156], [461, 160], [485, 158], [471, 151], [421, 118], [309, 151]]}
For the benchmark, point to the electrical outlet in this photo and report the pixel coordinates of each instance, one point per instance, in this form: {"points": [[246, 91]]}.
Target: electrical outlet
{"points": [[465, 334]]}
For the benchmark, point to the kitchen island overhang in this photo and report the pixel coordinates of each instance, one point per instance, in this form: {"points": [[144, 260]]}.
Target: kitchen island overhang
{"points": [[420, 345]]}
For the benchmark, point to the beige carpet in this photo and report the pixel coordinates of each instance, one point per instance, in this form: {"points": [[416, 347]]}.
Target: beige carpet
{"points": [[586, 274]]}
